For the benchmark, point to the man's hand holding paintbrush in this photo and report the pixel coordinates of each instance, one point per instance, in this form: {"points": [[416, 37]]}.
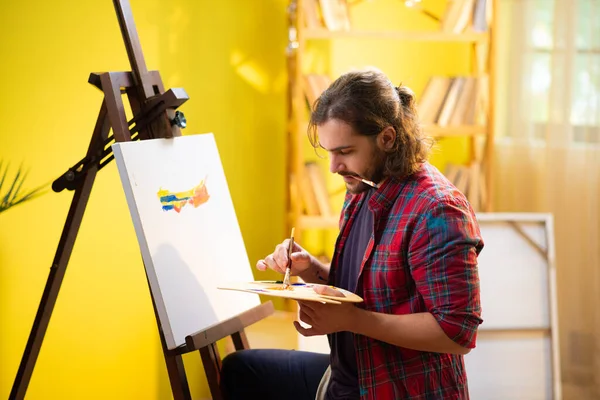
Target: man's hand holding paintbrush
{"points": [[301, 263], [288, 268]]}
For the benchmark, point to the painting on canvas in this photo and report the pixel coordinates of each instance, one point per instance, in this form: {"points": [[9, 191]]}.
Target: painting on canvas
{"points": [[187, 230]]}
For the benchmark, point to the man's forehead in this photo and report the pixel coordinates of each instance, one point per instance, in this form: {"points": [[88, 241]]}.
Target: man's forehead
{"points": [[335, 134]]}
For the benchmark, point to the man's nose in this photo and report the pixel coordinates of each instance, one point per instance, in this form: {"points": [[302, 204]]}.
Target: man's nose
{"points": [[335, 165]]}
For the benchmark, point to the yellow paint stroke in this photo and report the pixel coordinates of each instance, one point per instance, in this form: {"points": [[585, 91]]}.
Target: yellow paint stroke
{"points": [[196, 196]]}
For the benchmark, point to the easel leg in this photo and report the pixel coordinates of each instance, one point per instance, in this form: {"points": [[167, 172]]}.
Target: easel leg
{"points": [[212, 367], [240, 341], [177, 377], [175, 367], [61, 259]]}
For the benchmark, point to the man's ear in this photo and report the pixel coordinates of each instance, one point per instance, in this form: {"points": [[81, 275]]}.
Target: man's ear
{"points": [[387, 138]]}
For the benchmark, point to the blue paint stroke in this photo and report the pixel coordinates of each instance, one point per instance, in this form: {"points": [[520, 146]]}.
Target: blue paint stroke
{"points": [[171, 197], [280, 282]]}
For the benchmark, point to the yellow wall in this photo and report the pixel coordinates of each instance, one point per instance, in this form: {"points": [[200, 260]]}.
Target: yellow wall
{"points": [[102, 342]]}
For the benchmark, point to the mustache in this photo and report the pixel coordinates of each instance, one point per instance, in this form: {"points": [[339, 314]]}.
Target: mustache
{"points": [[347, 173]]}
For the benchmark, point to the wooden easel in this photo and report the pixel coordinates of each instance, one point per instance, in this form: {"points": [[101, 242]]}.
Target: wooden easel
{"points": [[154, 116]]}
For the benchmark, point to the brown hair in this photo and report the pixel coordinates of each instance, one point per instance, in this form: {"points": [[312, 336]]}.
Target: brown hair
{"points": [[369, 102]]}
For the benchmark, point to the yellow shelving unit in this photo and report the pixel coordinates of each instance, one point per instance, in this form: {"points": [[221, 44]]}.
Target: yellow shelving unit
{"points": [[322, 33], [479, 134]]}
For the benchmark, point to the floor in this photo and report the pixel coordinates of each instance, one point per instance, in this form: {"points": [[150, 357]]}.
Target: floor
{"points": [[276, 331]]}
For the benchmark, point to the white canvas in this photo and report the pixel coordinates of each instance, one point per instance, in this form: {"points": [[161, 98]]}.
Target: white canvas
{"points": [[502, 368], [514, 276], [517, 349], [188, 249]]}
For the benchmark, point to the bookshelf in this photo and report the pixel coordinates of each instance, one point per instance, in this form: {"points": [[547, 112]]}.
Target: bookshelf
{"points": [[469, 115], [322, 33]]}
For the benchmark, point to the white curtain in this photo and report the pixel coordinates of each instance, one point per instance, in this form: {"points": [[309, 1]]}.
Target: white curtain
{"points": [[547, 157]]}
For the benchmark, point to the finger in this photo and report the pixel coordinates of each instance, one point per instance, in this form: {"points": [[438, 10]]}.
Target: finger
{"points": [[305, 331], [304, 317], [300, 256], [261, 265], [270, 261], [281, 252], [297, 247], [328, 291]]}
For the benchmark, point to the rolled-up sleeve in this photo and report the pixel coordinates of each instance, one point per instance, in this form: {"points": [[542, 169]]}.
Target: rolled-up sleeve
{"points": [[442, 255]]}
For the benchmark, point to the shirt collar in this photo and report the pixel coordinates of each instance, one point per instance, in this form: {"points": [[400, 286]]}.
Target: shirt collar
{"points": [[387, 193]]}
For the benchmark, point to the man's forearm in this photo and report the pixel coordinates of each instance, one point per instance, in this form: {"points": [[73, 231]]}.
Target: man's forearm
{"points": [[418, 331], [317, 273]]}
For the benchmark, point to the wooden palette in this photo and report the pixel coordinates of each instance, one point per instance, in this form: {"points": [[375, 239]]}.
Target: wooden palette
{"points": [[298, 291]]}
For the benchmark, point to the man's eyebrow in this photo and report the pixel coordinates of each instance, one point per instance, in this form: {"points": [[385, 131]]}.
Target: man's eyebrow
{"points": [[339, 148]]}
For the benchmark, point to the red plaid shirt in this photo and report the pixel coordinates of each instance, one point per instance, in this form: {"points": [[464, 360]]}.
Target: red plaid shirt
{"points": [[422, 258]]}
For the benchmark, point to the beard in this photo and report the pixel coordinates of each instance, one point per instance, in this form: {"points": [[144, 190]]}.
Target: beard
{"points": [[374, 173]]}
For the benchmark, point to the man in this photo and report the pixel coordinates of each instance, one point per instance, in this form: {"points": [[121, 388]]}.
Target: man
{"points": [[408, 247]]}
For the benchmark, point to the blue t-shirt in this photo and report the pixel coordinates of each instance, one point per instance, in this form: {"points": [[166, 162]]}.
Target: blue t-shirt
{"points": [[343, 383]]}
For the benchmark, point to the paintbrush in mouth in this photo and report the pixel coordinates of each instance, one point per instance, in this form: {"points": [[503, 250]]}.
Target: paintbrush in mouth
{"points": [[366, 181]]}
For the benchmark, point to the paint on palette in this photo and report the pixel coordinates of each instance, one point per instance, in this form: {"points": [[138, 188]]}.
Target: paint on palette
{"points": [[195, 197], [293, 284]]}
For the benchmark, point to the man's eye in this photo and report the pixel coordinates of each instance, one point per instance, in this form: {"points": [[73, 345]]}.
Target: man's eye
{"points": [[344, 152]]}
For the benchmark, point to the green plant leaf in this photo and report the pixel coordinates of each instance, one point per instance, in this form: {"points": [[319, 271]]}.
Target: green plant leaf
{"points": [[3, 175], [14, 194]]}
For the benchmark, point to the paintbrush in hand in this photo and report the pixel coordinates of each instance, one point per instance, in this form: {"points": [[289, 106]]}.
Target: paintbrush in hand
{"points": [[288, 269]]}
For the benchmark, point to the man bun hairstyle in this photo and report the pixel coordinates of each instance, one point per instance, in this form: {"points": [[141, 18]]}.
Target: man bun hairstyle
{"points": [[368, 102]]}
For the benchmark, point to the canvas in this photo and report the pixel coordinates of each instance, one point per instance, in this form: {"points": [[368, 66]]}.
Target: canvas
{"points": [[517, 346], [187, 231]]}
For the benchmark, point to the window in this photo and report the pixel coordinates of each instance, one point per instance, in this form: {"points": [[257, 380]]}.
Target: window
{"points": [[563, 45]]}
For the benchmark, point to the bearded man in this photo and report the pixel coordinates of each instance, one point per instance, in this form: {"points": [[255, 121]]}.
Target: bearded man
{"points": [[408, 245]]}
